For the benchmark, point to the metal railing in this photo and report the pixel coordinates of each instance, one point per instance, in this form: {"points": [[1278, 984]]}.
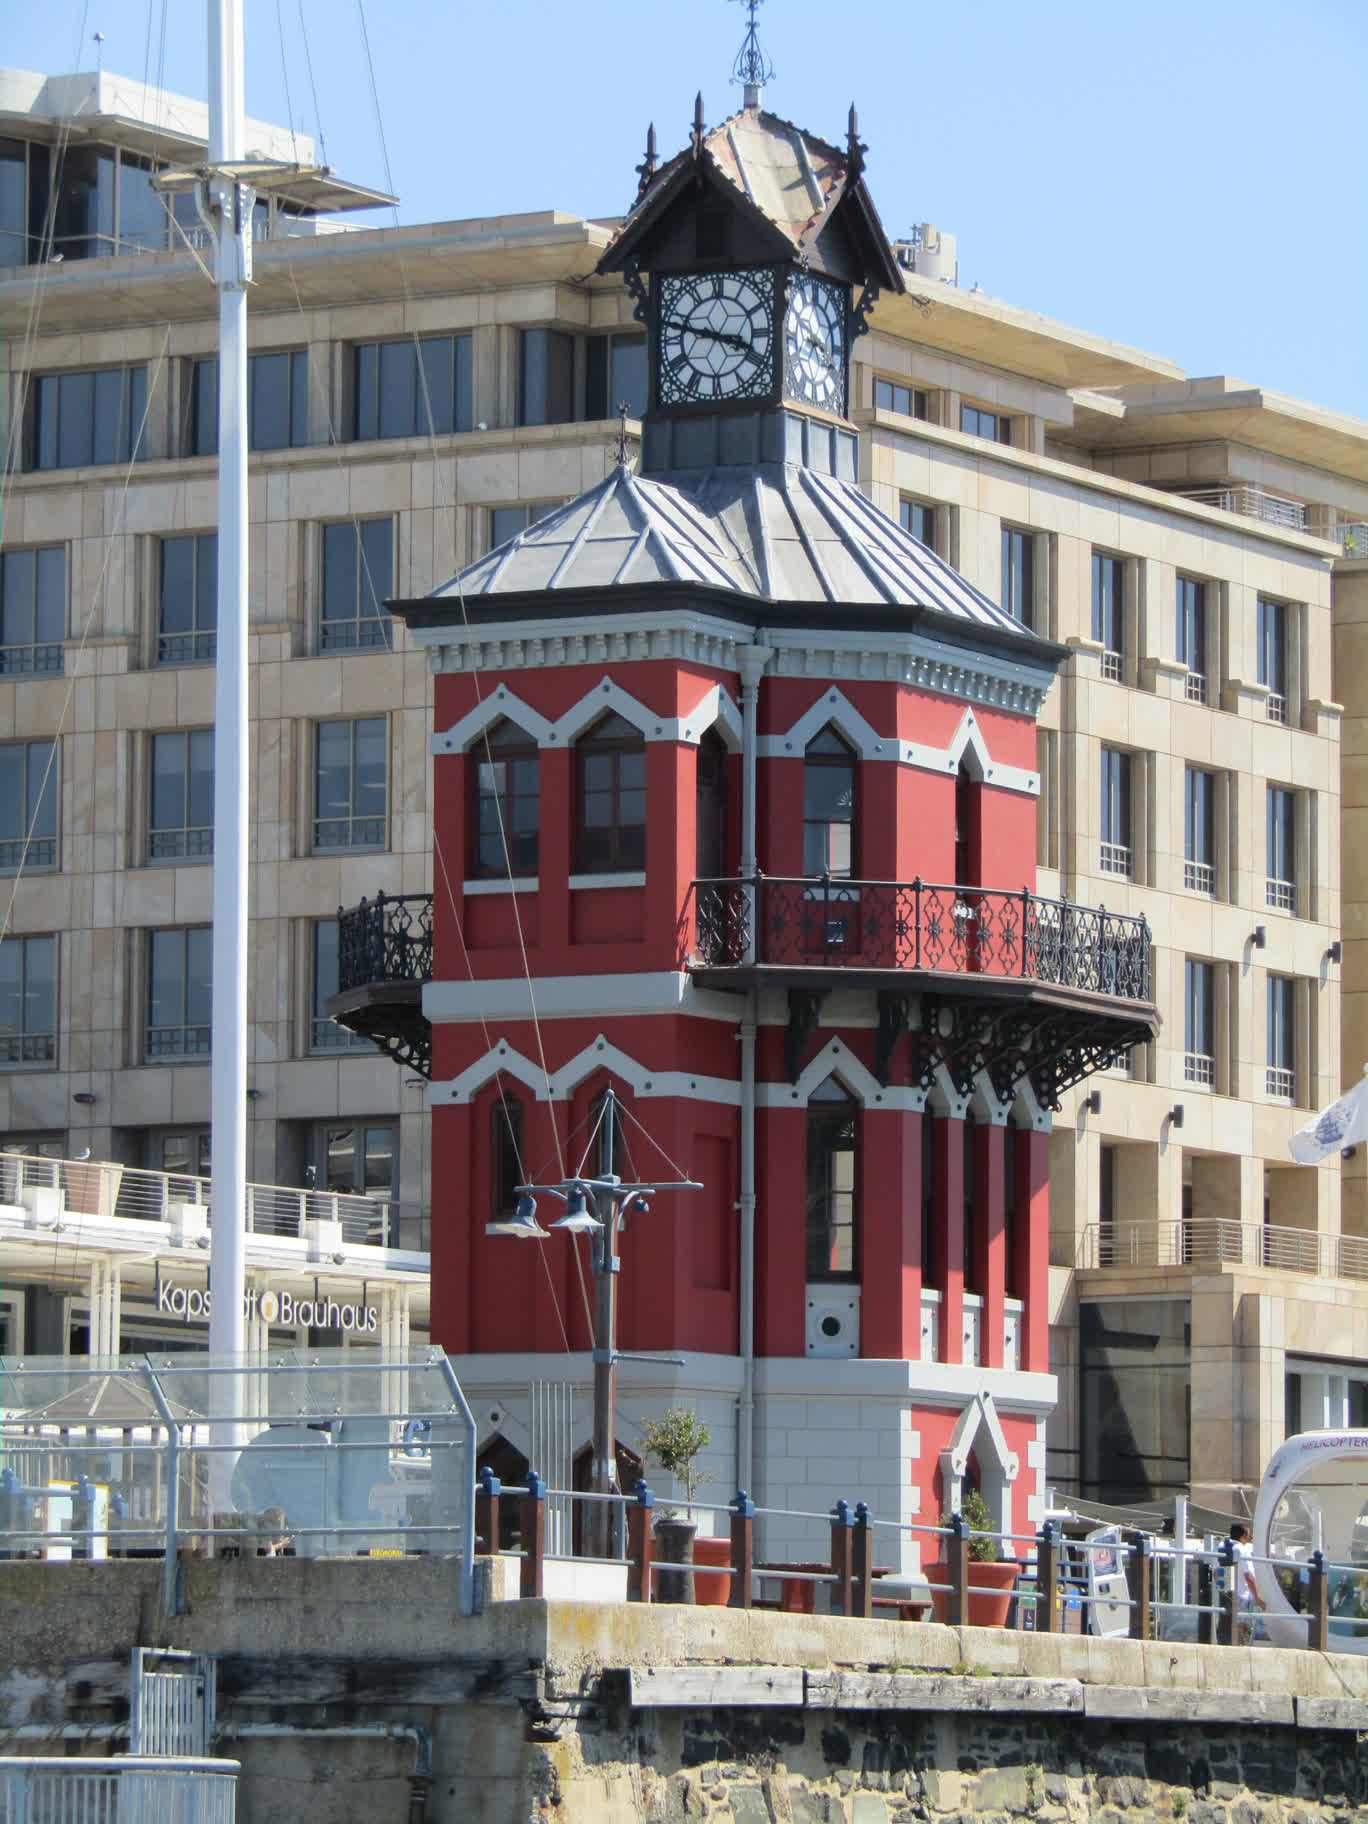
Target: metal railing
{"points": [[917, 924], [385, 939], [1253, 503], [73, 1790], [1218, 1241], [1129, 1584], [318, 1452], [56, 1193]]}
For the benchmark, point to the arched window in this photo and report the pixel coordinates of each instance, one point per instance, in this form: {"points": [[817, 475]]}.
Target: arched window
{"points": [[970, 1200], [831, 1188], [828, 805], [504, 803], [611, 796], [966, 828], [505, 1155], [1009, 1207], [711, 861]]}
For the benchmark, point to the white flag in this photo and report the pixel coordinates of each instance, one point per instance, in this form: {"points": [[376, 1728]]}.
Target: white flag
{"points": [[1343, 1124]]}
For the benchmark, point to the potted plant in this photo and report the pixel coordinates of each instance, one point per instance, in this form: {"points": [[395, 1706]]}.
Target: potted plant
{"points": [[991, 1577], [675, 1442]]}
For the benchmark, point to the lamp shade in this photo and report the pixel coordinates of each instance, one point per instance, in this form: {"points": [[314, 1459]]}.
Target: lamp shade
{"points": [[577, 1217]]}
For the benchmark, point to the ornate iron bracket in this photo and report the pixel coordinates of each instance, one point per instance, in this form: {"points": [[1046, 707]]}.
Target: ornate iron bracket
{"points": [[632, 279], [864, 304], [895, 1018], [805, 1005]]}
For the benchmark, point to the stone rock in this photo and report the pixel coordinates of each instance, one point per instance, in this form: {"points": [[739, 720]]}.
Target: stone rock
{"points": [[1003, 1789], [868, 1808], [942, 1791], [749, 1805]]}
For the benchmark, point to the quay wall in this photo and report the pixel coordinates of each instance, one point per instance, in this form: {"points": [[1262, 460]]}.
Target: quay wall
{"points": [[339, 1680]]}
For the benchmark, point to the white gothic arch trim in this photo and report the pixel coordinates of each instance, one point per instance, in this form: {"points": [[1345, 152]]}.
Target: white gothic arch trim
{"points": [[499, 703], [833, 708], [978, 1426], [562, 1083], [836, 1059]]}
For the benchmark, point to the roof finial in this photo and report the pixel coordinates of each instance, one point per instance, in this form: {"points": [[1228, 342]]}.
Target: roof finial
{"points": [[622, 451], [855, 148], [646, 170], [752, 67], [699, 125]]}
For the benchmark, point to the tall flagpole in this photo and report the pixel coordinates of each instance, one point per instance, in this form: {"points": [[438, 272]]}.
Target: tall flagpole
{"points": [[227, 205]]}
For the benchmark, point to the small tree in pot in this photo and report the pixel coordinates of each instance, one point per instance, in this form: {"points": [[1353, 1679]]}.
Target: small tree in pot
{"points": [[983, 1545], [990, 1576], [675, 1443]]}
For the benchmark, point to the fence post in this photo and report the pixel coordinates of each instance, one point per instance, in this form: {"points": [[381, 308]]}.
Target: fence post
{"points": [[842, 1563], [957, 1557], [1230, 1596], [83, 1519], [487, 1491], [1047, 1615], [640, 1543], [742, 1550], [533, 1535], [1139, 1569], [916, 918], [1205, 1618], [862, 1566], [1025, 915], [1318, 1606]]}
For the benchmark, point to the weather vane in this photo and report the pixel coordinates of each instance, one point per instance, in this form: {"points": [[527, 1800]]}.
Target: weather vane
{"points": [[752, 67]]}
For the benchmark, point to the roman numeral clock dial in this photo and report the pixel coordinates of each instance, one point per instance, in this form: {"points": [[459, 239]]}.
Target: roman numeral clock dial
{"points": [[815, 342], [716, 336]]}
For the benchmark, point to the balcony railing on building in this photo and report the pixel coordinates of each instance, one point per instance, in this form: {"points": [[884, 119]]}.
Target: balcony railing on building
{"points": [[1219, 1241], [917, 924], [1199, 1067], [74, 1790], [1281, 894], [49, 1191], [1253, 503], [1199, 876], [1280, 1081]]}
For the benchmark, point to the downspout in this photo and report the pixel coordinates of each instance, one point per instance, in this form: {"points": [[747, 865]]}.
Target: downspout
{"points": [[752, 661], [420, 1780]]}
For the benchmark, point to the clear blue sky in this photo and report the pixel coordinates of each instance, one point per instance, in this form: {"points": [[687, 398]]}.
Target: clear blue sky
{"points": [[1187, 176]]}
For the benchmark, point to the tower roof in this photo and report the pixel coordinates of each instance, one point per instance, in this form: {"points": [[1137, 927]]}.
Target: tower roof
{"points": [[789, 182], [773, 532]]}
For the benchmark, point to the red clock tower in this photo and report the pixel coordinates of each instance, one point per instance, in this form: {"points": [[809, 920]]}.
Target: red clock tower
{"points": [[734, 810]]}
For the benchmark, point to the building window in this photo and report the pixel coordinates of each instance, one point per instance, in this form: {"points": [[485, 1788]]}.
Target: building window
{"points": [[507, 522], [357, 1158], [180, 824], [179, 1152], [611, 769], [505, 1155], [358, 573], [28, 805], [1192, 636], [919, 518], [505, 813], [1118, 855], [33, 609], [1018, 575], [612, 373], [1199, 1028], [326, 1034], [828, 806], [1280, 890], [908, 401], [1108, 614], [1199, 830], [614, 376], [969, 1144], [187, 599], [28, 1000], [711, 847], [1281, 1073], [1106, 1205], [91, 417], [1272, 655], [351, 784], [831, 1251], [416, 388], [179, 993], [277, 403], [976, 422]]}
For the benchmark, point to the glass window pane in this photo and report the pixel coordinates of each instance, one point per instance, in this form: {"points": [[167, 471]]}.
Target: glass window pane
{"points": [[436, 401], [206, 580], [168, 782], [339, 572], [366, 391], [269, 402], [464, 416], [77, 439], [379, 1159], [200, 785], [198, 970], [398, 385], [370, 767], [629, 375], [13, 204], [142, 215], [177, 585], [505, 523], [11, 985], [596, 377], [109, 435], [377, 566], [12, 792], [333, 787], [299, 398], [17, 573]]}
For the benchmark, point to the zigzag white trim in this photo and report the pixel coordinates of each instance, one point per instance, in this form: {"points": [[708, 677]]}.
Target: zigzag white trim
{"points": [[715, 706], [836, 1059], [835, 708], [600, 1055]]}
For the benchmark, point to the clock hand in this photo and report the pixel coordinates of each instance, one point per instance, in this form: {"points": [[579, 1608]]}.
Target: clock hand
{"points": [[713, 335]]}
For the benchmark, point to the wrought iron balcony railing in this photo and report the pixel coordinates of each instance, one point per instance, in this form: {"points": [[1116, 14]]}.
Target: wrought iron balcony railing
{"points": [[882, 924], [385, 939]]}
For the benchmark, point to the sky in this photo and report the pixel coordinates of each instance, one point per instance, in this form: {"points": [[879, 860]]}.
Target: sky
{"points": [[1186, 177]]}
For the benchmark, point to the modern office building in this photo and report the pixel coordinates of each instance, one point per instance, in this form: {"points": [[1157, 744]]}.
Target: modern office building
{"points": [[421, 394]]}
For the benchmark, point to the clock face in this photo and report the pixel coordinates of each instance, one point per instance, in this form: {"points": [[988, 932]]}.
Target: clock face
{"points": [[815, 342], [716, 336]]}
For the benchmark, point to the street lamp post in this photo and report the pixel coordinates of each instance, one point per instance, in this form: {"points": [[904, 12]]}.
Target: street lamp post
{"points": [[595, 1205]]}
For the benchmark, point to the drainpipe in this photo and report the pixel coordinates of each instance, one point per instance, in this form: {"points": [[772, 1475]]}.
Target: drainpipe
{"points": [[752, 661], [420, 1780]]}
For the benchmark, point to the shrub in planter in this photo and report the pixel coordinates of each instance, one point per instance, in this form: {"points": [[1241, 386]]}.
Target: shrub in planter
{"points": [[675, 1443], [990, 1578]]}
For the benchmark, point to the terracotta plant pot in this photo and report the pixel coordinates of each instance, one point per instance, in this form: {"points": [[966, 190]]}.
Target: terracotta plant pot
{"points": [[990, 1590], [712, 1587], [674, 1539]]}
